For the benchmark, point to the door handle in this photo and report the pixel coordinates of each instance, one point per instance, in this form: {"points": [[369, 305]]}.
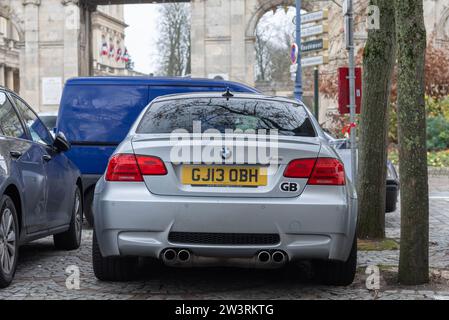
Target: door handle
{"points": [[15, 154], [46, 157]]}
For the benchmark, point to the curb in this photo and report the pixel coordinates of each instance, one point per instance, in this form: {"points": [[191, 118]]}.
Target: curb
{"points": [[436, 171], [433, 171]]}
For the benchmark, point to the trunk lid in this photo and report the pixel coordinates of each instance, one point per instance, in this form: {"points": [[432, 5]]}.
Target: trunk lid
{"points": [[233, 172]]}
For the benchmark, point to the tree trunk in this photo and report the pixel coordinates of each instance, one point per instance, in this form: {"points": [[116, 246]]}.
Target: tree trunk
{"points": [[378, 65], [411, 40]]}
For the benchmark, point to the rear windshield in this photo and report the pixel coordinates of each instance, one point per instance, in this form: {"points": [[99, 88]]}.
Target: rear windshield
{"points": [[219, 114]]}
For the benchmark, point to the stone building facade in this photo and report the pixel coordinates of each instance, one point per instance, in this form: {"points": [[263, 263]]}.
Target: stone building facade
{"points": [[9, 54], [109, 54], [45, 42], [53, 40]]}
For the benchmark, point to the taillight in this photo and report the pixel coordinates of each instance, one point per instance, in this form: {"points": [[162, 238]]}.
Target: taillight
{"points": [[130, 167], [151, 166], [328, 171], [319, 171], [299, 168]]}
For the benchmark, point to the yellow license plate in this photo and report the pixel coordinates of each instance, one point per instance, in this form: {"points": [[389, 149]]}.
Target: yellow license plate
{"points": [[245, 176]]}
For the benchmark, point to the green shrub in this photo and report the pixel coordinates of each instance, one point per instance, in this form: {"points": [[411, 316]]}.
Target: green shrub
{"points": [[437, 133]]}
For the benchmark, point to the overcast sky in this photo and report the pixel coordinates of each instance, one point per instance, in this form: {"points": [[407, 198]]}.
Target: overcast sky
{"points": [[142, 34]]}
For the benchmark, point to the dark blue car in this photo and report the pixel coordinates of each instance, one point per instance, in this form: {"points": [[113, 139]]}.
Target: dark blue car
{"points": [[40, 189], [96, 113]]}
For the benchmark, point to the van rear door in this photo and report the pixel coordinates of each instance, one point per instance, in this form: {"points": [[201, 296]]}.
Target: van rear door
{"points": [[96, 118]]}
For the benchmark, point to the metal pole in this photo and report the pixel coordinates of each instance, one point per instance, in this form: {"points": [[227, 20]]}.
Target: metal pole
{"points": [[352, 106], [316, 93], [298, 82]]}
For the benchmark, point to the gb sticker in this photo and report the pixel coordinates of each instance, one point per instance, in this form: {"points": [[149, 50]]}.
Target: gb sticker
{"points": [[289, 186]]}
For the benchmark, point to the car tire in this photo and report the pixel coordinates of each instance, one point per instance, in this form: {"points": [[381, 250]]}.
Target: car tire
{"points": [[112, 268], [9, 246], [338, 273], [88, 212], [71, 239]]}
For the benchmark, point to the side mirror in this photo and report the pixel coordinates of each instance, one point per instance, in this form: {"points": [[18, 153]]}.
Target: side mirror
{"points": [[61, 143]]}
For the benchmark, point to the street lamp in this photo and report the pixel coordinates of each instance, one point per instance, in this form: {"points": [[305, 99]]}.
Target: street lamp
{"points": [[298, 80]]}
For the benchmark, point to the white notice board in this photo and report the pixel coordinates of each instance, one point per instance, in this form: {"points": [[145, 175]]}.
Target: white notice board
{"points": [[51, 90]]}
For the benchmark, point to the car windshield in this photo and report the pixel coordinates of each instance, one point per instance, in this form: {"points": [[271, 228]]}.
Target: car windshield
{"points": [[220, 114]]}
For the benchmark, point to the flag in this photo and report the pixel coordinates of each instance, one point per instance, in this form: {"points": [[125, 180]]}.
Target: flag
{"points": [[125, 56], [104, 49], [111, 50], [118, 55]]}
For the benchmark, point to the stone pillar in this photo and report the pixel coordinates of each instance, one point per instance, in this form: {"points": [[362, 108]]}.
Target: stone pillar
{"points": [[71, 38], [30, 82], [198, 36], [10, 79], [238, 48], [2, 75]]}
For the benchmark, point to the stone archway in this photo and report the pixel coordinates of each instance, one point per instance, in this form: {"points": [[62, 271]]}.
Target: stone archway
{"points": [[442, 29], [262, 7], [10, 13], [11, 47]]}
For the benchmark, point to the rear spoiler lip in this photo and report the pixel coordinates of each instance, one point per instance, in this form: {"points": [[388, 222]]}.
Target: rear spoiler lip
{"points": [[166, 136]]}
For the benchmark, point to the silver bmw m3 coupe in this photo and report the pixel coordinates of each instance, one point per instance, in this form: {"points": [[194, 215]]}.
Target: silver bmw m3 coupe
{"points": [[225, 180]]}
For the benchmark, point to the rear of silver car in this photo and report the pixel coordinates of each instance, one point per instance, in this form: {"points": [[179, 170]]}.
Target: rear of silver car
{"points": [[298, 207]]}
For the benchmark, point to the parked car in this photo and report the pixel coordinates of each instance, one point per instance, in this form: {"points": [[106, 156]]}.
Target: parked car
{"points": [[96, 113], [49, 120], [342, 147], [187, 213], [40, 188]]}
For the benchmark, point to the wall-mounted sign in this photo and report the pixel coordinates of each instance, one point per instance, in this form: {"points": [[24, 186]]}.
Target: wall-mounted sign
{"points": [[315, 45], [51, 90], [315, 30], [314, 61], [314, 16]]}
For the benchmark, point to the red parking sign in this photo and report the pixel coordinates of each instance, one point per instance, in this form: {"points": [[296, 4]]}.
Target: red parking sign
{"points": [[343, 90]]}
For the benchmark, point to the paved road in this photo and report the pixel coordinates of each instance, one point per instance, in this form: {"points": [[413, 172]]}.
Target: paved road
{"points": [[42, 272]]}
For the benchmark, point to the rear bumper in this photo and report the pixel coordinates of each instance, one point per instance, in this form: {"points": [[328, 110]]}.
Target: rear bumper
{"points": [[130, 221]]}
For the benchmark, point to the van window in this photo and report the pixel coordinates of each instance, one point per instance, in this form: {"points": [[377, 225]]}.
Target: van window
{"points": [[100, 114]]}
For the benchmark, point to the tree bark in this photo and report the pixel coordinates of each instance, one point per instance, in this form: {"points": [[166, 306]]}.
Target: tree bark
{"points": [[378, 65], [411, 40]]}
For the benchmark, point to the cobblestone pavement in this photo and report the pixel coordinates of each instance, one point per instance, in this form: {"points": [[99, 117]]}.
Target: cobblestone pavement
{"points": [[42, 272]]}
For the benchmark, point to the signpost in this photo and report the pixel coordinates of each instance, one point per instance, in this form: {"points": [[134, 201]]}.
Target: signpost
{"points": [[314, 48], [298, 78], [349, 39], [315, 45]]}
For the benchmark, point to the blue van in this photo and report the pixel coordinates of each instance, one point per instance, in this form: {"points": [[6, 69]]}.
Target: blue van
{"points": [[96, 113]]}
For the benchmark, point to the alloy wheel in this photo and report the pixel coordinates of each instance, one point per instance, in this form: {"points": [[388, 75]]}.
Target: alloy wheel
{"points": [[7, 241]]}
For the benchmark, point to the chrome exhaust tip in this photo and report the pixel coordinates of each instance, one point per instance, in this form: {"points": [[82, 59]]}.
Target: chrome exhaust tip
{"points": [[183, 255], [169, 256], [263, 257], [278, 257]]}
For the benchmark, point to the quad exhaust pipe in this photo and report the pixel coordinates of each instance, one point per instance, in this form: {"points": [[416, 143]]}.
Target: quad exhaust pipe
{"points": [[183, 255], [278, 257], [171, 256], [265, 258]]}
